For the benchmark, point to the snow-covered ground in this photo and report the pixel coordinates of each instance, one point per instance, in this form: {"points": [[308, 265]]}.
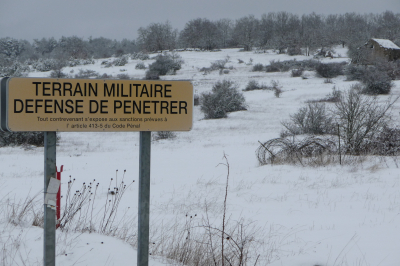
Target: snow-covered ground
{"points": [[332, 215]]}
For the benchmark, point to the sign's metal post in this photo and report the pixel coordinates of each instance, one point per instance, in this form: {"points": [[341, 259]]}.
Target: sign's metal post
{"points": [[144, 198], [49, 228]]}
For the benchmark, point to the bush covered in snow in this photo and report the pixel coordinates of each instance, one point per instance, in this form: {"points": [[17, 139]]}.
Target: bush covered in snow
{"points": [[355, 72], [140, 56], [77, 62], [297, 72], [164, 135], [376, 82], [86, 73], [14, 69], [330, 70], [166, 64], [376, 79], [47, 64], [254, 85], [223, 98], [311, 119], [258, 67], [120, 61], [21, 138], [58, 74], [218, 64], [152, 75], [283, 66], [123, 76], [140, 65]]}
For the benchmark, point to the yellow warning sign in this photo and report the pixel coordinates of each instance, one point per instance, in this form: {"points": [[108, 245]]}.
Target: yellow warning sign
{"points": [[44, 104]]}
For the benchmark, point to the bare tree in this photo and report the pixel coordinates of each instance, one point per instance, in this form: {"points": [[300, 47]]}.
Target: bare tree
{"points": [[224, 29], [73, 46], [200, 33], [313, 32], [157, 37], [360, 118], [286, 30], [388, 26], [266, 30], [246, 32]]}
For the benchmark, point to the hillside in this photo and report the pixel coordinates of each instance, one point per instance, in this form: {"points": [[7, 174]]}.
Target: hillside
{"points": [[326, 215]]}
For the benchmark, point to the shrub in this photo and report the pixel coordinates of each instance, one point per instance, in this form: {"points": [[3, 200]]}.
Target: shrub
{"points": [[258, 67], [385, 143], [274, 66], [391, 68], [360, 118], [311, 119], [282, 66], [376, 82], [14, 69], [333, 97], [140, 65], [164, 135], [123, 76], [297, 72], [86, 73], [120, 61], [21, 138], [223, 98], [276, 88], [330, 70], [355, 72], [309, 64], [294, 50], [105, 76], [58, 74], [88, 61], [196, 100], [166, 63], [76, 61], [253, 85], [43, 65], [361, 127], [140, 56], [152, 75], [218, 64]]}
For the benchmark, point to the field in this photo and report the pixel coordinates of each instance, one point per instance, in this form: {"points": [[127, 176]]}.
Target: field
{"points": [[330, 215]]}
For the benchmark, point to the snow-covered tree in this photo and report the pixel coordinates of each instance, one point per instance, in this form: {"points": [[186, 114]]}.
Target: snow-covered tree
{"points": [[246, 32], [11, 47], [200, 33], [157, 37]]}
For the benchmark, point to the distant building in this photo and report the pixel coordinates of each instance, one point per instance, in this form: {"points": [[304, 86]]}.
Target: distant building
{"points": [[382, 48]]}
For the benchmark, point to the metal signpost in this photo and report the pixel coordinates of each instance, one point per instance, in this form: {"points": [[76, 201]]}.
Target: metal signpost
{"points": [[89, 105]]}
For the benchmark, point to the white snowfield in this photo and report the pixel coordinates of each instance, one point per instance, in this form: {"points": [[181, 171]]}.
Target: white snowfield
{"points": [[334, 215]]}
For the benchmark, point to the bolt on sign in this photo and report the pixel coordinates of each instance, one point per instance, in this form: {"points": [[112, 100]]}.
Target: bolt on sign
{"points": [[45, 104]]}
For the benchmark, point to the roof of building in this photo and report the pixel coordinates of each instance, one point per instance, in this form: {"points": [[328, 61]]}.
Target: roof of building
{"points": [[386, 44]]}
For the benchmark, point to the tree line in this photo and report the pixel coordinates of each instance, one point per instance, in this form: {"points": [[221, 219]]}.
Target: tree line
{"points": [[282, 31]]}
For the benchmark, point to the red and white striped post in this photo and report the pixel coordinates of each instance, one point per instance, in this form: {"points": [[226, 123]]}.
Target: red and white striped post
{"points": [[58, 210]]}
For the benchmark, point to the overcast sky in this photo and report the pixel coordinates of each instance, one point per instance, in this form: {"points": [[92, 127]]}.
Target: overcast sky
{"points": [[118, 19]]}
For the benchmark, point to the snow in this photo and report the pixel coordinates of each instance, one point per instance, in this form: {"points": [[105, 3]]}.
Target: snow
{"points": [[387, 44], [327, 215]]}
